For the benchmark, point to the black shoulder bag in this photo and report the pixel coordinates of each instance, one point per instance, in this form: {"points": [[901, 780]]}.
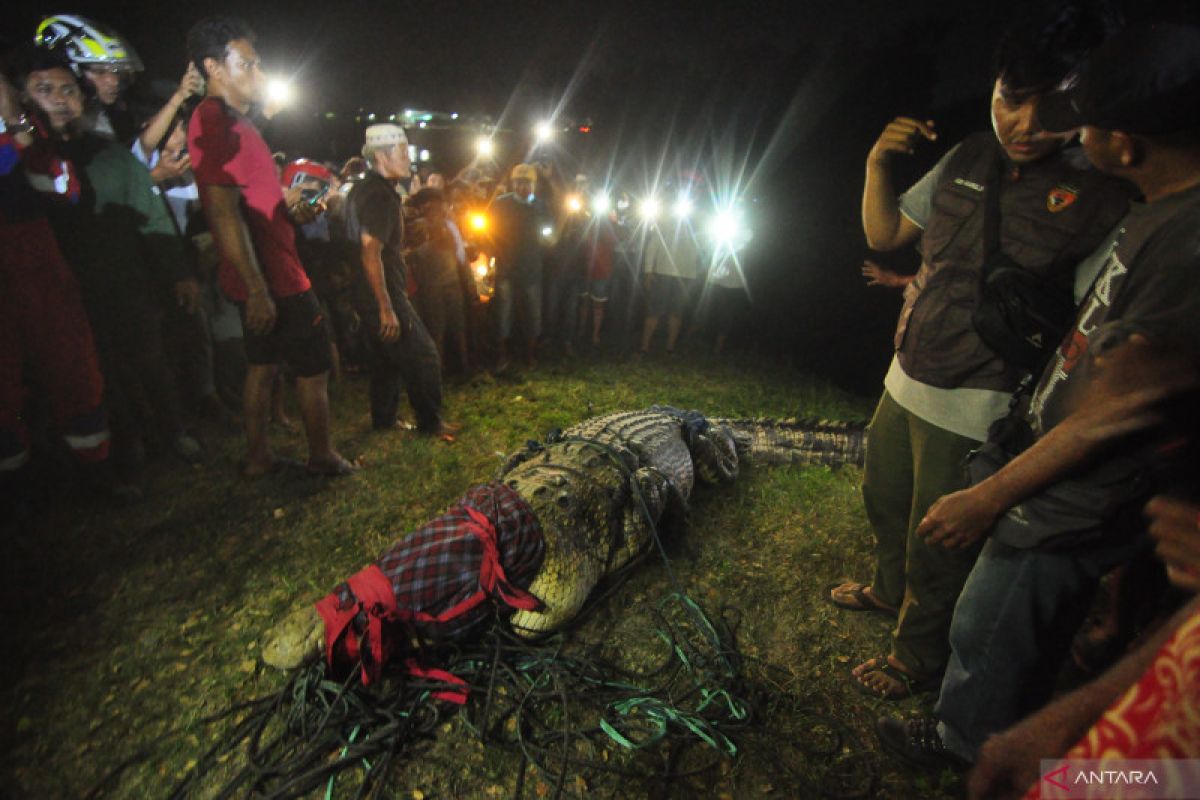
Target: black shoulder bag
{"points": [[1021, 316]]}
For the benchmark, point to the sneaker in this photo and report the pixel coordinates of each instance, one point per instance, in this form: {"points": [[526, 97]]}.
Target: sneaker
{"points": [[916, 742]]}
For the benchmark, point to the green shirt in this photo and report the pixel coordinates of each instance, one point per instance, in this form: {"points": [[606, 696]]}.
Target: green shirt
{"points": [[120, 235]]}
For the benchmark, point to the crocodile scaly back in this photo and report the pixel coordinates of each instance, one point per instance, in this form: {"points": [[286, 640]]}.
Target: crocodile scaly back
{"points": [[599, 489]]}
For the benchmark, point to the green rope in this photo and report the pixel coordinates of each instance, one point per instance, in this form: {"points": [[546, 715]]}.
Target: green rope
{"points": [[333, 778]]}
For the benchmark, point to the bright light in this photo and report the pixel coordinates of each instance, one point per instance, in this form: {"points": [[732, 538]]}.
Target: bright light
{"points": [[454, 115], [481, 270], [544, 131], [279, 92], [601, 203], [683, 207], [574, 203], [547, 231], [724, 226], [650, 208], [729, 229], [478, 222], [484, 146], [424, 155]]}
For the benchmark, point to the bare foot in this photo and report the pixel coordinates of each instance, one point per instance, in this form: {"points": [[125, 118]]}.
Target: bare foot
{"points": [[887, 678]]}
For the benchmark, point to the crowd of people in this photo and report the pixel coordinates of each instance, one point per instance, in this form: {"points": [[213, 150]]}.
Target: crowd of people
{"points": [[172, 261], [222, 261]]}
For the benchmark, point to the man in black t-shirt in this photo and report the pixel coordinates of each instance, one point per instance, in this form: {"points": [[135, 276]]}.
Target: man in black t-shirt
{"points": [[399, 343], [520, 218], [1063, 511]]}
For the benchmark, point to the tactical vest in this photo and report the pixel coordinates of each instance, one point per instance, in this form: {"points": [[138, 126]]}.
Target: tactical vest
{"points": [[1053, 214]]}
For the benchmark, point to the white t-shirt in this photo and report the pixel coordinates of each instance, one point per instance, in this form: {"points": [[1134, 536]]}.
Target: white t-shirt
{"points": [[673, 251]]}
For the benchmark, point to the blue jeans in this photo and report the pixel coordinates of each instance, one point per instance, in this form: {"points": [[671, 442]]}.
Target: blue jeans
{"points": [[527, 298], [1011, 632]]}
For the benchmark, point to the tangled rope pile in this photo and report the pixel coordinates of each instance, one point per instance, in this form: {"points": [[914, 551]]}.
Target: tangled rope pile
{"points": [[571, 712]]}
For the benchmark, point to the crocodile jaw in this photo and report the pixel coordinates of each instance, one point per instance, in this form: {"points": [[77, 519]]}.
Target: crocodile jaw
{"points": [[298, 640]]}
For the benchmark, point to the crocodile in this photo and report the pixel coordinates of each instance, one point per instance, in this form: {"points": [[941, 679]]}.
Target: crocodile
{"points": [[579, 506]]}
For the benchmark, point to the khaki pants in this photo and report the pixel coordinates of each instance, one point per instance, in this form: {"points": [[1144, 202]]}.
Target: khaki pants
{"points": [[910, 464]]}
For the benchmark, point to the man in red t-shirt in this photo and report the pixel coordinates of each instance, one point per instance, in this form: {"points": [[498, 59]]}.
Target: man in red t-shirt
{"points": [[250, 223]]}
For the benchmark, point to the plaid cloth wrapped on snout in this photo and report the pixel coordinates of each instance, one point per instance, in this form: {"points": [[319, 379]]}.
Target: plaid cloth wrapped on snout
{"points": [[435, 584]]}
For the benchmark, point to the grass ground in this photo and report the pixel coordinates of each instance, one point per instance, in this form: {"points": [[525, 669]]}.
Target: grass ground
{"points": [[126, 627]]}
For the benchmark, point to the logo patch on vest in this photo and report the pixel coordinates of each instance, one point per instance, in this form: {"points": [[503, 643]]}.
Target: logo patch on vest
{"points": [[1060, 197]]}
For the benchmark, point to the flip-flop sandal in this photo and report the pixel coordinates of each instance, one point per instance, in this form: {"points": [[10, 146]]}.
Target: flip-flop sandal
{"points": [[903, 685], [864, 601]]}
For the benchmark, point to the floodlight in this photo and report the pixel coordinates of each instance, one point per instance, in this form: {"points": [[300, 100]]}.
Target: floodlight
{"points": [[601, 203], [484, 146], [544, 131]]}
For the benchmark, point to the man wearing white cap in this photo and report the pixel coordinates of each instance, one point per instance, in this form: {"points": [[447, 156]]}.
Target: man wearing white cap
{"points": [[401, 347]]}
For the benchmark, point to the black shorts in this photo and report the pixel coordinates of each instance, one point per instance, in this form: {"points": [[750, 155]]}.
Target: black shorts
{"points": [[298, 339], [668, 294]]}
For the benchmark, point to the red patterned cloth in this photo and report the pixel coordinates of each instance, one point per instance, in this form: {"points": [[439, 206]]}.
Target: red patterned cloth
{"points": [[435, 583], [1158, 717]]}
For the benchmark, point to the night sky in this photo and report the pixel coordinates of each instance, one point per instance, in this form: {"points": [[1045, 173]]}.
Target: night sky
{"points": [[781, 99]]}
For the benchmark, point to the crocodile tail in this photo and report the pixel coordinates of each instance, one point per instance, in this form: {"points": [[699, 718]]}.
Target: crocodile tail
{"points": [[798, 441]]}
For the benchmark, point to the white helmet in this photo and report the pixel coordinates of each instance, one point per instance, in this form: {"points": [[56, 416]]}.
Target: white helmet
{"points": [[85, 42]]}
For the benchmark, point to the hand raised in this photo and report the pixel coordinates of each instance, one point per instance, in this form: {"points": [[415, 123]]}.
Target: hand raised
{"points": [[901, 136]]}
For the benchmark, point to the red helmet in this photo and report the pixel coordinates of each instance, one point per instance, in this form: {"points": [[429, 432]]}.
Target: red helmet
{"points": [[302, 170]]}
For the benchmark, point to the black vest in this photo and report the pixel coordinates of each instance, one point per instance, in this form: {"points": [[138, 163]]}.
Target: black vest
{"points": [[1053, 214]]}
